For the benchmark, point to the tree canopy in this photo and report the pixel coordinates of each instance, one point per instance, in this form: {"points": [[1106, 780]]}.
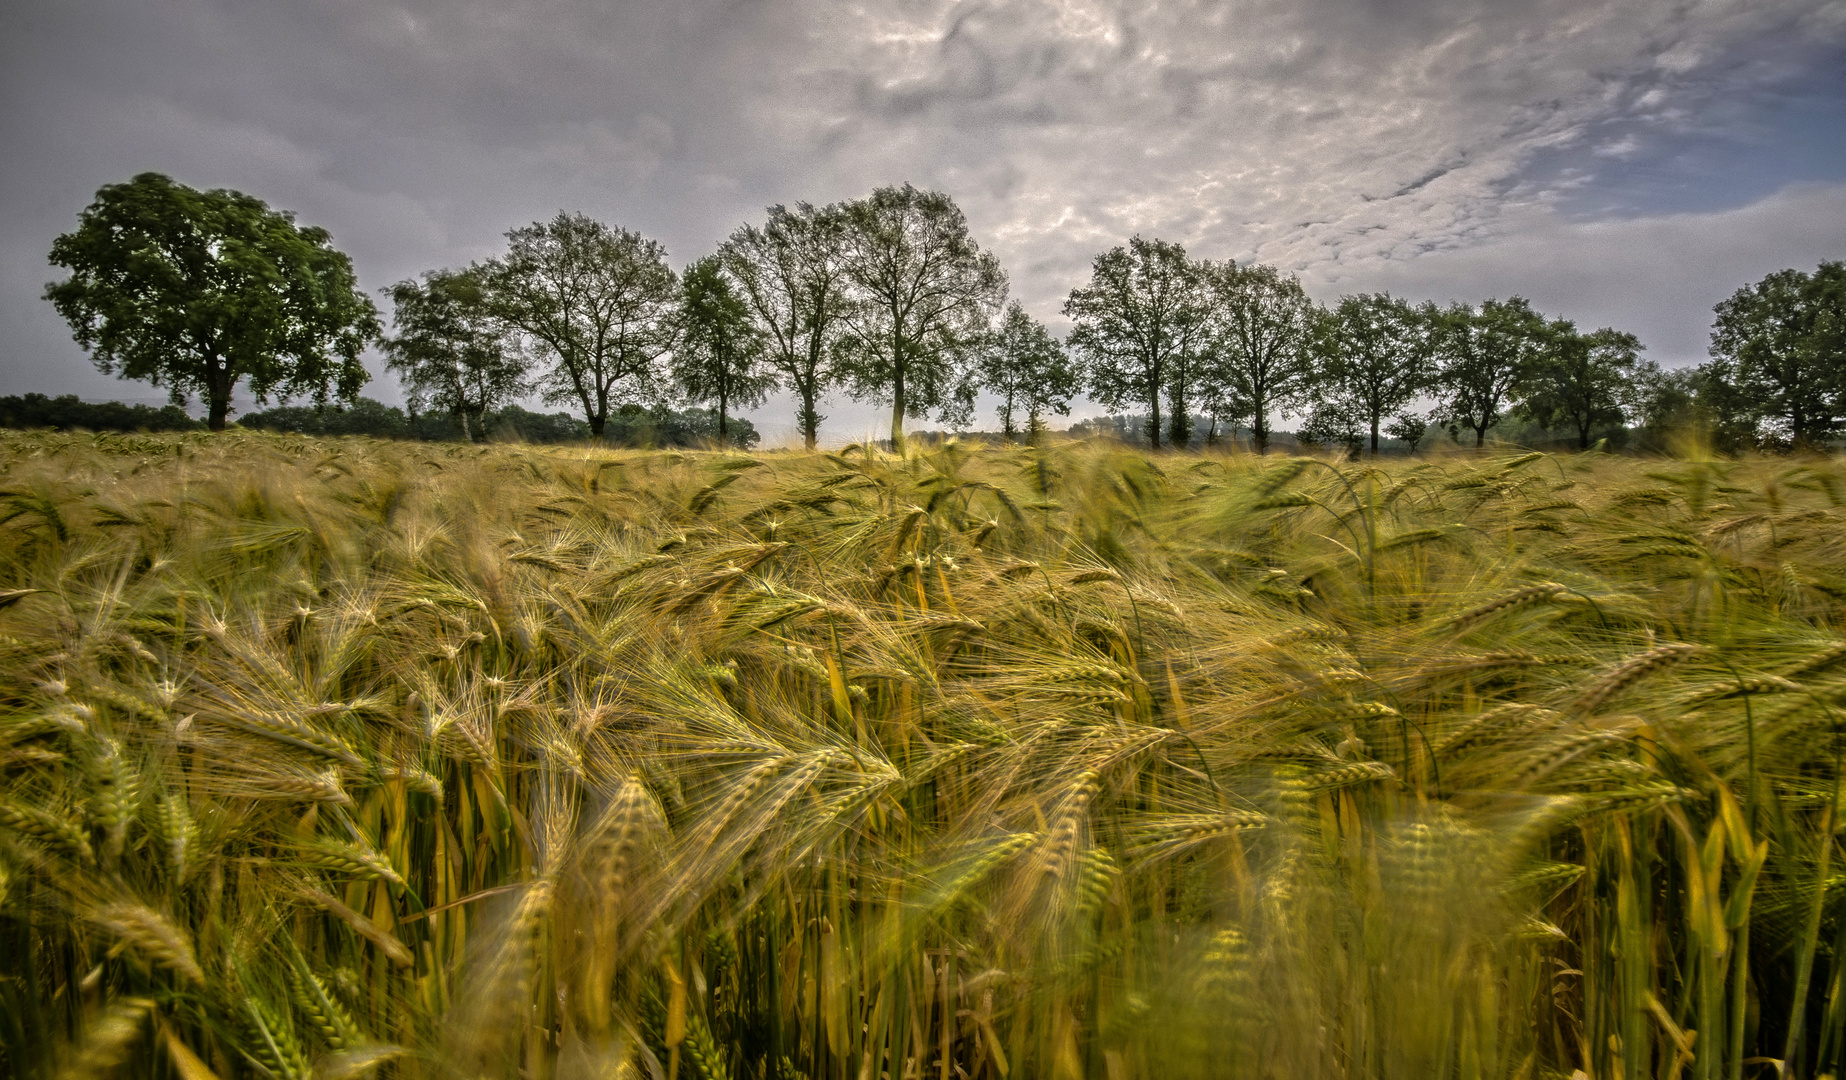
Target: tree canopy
{"points": [[1483, 356], [1138, 325], [791, 273], [1028, 370], [448, 350], [890, 298], [719, 357], [1374, 353], [1780, 347], [926, 294], [1581, 381], [1259, 331], [597, 301], [196, 290]]}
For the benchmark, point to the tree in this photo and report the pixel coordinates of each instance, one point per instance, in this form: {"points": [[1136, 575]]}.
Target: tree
{"points": [[1483, 357], [1375, 356], [1335, 421], [1581, 381], [1138, 325], [450, 352], [1028, 370], [791, 273], [1408, 427], [195, 290], [719, 358], [1258, 334], [1780, 345], [598, 301], [1667, 403], [926, 294]]}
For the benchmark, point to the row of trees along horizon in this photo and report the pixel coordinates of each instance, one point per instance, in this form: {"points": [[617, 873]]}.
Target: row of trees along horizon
{"points": [[890, 299]]}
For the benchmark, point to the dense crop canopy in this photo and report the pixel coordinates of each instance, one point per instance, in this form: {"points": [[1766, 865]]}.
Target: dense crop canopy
{"points": [[335, 756]]}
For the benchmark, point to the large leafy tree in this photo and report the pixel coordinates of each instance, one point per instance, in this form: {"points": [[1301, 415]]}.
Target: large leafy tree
{"points": [[196, 290], [1483, 357], [1780, 347], [1258, 340], [1581, 381], [719, 357], [1028, 370], [598, 302], [791, 273], [1138, 325], [449, 351], [1668, 403], [925, 297], [1375, 358]]}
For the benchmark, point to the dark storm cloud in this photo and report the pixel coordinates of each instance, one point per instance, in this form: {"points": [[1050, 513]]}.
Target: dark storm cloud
{"points": [[1436, 146]]}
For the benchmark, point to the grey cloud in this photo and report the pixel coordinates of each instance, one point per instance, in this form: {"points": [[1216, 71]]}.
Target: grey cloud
{"points": [[1353, 141]]}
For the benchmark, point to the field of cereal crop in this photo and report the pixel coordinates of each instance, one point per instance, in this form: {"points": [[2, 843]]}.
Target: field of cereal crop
{"points": [[345, 758]]}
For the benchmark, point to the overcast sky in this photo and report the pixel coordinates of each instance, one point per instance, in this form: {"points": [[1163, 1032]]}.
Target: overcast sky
{"points": [[1625, 164]]}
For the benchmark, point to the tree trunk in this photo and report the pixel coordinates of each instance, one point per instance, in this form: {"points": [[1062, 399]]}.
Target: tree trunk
{"points": [[596, 425], [1179, 430], [467, 433], [1374, 434], [1259, 434], [1480, 436], [218, 388], [724, 426], [810, 423], [897, 411], [1153, 419]]}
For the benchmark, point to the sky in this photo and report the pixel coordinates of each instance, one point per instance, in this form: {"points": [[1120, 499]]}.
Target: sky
{"points": [[1619, 164]]}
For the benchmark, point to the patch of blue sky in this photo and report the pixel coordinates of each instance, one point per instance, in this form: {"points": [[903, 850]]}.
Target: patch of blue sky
{"points": [[1729, 146]]}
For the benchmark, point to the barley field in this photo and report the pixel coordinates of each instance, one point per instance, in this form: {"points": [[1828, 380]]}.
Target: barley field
{"points": [[344, 758]]}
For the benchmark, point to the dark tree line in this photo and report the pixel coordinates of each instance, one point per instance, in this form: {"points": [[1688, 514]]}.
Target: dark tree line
{"points": [[890, 299]]}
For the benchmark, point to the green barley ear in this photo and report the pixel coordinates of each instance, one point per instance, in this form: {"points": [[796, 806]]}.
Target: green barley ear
{"points": [[321, 1008], [271, 1044], [153, 936], [350, 860], [703, 1051], [117, 796], [178, 835], [48, 829]]}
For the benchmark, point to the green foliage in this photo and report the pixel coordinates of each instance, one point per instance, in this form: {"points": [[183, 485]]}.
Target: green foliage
{"points": [[450, 351], [1483, 357], [1408, 428], [1581, 382], [381, 421], [636, 425], [1259, 345], [720, 352], [335, 757], [67, 411], [925, 294], [1779, 351], [1139, 326], [197, 290], [1376, 355], [1028, 370], [597, 302], [792, 273]]}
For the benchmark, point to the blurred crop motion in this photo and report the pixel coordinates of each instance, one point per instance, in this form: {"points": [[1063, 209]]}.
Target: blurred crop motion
{"points": [[344, 758]]}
